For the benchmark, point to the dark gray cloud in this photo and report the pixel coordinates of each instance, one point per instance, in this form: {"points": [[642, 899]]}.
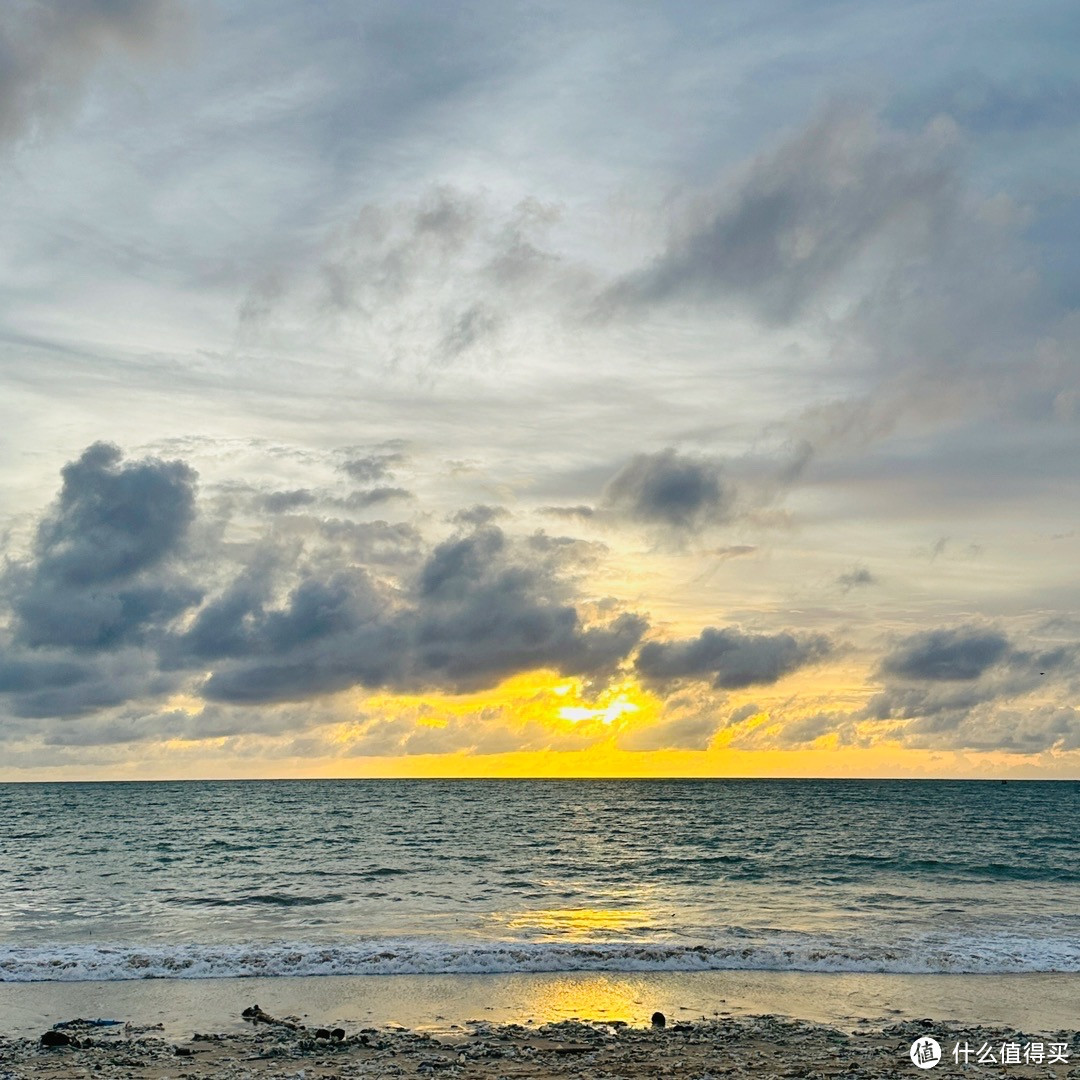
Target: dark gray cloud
{"points": [[43, 683], [135, 723], [480, 607], [955, 654], [94, 618], [798, 216], [320, 607], [670, 489], [100, 573], [331, 633], [728, 659], [49, 48], [26, 674], [114, 520], [102, 584], [108, 683], [280, 502]]}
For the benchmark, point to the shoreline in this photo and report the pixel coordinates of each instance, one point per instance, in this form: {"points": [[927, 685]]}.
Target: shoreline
{"points": [[762, 1046], [433, 1003]]}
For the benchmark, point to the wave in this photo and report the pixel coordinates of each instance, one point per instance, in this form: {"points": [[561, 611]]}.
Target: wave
{"points": [[967, 871], [80, 962], [275, 899]]}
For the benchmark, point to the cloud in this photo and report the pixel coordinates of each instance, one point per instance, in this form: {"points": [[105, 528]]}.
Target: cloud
{"points": [[96, 618], [996, 104], [439, 278], [687, 725], [478, 515], [733, 551], [279, 502], [807, 729], [304, 611], [855, 578], [149, 723], [480, 608], [1016, 728], [972, 687], [922, 293], [672, 490], [783, 232], [109, 681], [960, 653], [945, 548], [50, 48], [728, 659], [114, 520], [99, 573], [581, 512], [361, 500], [426, 729], [386, 545], [372, 467], [23, 674], [102, 583]]}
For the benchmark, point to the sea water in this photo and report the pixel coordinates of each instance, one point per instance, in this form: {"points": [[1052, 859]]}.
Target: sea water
{"points": [[197, 880]]}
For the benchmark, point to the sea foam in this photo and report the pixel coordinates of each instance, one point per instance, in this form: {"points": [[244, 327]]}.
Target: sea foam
{"points": [[80, 962]]}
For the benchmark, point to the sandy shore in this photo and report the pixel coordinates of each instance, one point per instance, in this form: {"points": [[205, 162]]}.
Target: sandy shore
{"points": [[1033, 1002], [761, 1047]]}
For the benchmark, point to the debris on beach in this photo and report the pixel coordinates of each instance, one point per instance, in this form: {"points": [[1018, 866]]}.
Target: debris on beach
{"points": [[258, 1016], [745, 1048]]}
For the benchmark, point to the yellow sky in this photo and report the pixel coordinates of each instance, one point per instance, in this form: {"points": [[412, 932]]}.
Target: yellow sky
{"points": [[569, 734]]}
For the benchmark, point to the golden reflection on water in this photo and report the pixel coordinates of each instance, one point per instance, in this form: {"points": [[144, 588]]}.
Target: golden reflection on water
{"points": [[580, 924]]}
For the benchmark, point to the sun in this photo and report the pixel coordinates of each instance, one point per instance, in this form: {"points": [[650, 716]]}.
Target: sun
{"points": [[606, 714]]}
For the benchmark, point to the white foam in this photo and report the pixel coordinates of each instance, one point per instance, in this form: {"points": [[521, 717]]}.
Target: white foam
{"points": [[82, 962]]}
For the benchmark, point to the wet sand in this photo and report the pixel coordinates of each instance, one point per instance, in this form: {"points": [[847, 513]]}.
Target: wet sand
{"points": [[1035, 1002]]}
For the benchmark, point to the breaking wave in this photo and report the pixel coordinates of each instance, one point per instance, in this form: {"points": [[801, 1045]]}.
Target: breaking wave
{"points": [[80, 962]]}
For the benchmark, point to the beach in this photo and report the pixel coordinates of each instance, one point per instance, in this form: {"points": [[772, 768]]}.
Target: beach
{"points": [[759, 1047], [432, 1003], [733, 1024]]}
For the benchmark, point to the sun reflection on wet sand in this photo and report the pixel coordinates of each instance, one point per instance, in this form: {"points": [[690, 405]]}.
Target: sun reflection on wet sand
{"points": [[592, 997]]}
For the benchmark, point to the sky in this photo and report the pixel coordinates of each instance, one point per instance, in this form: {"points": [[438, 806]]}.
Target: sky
{"points": [[549, 389]]}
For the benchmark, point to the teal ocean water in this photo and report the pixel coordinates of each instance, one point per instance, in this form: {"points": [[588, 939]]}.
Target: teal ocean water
{"points": [[283, 878]]}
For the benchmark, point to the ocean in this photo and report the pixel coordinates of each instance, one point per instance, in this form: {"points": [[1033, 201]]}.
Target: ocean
{"points": [[204, 880]]}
